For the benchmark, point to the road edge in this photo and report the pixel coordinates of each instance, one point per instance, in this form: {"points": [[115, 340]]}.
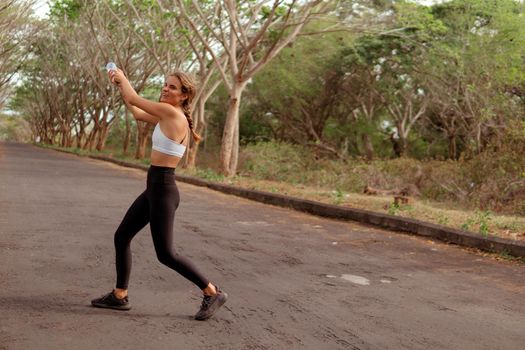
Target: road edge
{"points": [[391, 222]]}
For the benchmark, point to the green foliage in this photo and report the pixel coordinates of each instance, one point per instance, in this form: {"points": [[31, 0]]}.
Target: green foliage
{"points": [[209, 174], [255, 125], [466, 226], [338, 196], [14, 128], [481, 220], [443, 219], [273, 161], [393, 209], [292, 90], [266, 12], [465, 183], [419, 20], [65, 9], [507, 256]]}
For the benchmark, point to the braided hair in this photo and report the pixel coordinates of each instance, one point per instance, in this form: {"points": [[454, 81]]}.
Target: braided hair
{"points": [[189, 89]]}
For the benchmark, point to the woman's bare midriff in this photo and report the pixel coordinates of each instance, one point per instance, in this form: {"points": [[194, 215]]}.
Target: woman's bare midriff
{"points": [[161, 159]]}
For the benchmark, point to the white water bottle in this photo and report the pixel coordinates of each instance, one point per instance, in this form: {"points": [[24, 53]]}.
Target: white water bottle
{"points": [[111, 66]]}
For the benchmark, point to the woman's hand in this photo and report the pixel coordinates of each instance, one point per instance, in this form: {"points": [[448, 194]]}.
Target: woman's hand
{"points": [[116, 76]]}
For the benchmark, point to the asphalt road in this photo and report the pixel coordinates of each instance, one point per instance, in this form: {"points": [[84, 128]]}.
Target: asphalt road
{"points": [[295, 281]]}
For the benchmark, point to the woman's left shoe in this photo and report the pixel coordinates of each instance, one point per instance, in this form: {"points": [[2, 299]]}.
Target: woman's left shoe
{"points": [[210, 305], [110, 301]]}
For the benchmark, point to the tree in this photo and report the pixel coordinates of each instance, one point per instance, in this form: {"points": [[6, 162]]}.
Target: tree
{"points": [[301, 90], [250, 35], [165, 36], [470, 69], [67, 70], [361, 99], [15, 29], [117, 43]]}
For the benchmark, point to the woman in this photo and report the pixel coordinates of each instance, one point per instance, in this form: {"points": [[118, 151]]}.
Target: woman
{"points": [[157, 204]]}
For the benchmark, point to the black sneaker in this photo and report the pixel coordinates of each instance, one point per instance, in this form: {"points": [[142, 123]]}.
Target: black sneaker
{"points": [[110, 301], [210, 305]]}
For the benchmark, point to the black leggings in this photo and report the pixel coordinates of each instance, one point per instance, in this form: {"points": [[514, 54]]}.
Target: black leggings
{"points": [[156, 205]]}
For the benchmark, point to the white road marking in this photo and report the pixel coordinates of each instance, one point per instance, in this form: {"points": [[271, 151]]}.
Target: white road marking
{"points": [[250, 223], [356, 279]]}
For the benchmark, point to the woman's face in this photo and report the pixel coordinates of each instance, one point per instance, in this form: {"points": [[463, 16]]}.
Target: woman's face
{"points": [[171, 91]]}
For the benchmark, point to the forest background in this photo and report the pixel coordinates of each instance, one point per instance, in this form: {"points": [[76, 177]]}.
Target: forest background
{"points": [[318, 99]]}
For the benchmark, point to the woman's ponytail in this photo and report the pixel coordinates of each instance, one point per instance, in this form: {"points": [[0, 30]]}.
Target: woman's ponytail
{"points": [[188, 88], [187, 112]]}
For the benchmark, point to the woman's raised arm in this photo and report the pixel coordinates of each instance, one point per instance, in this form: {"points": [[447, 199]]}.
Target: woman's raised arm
{"points": [[139, 114], [156, 110]]}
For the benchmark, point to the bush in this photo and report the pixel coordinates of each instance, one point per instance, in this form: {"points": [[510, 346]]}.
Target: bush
{"points": [[490, 181], [274, 161], [14, 128]]}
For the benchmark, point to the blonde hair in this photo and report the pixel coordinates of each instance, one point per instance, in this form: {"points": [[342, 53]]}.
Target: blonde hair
{"points": [[188, 88]]}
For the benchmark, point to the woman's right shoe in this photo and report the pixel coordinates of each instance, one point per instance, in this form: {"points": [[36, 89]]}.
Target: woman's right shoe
{"points": [[210, 305], [110, 301]]}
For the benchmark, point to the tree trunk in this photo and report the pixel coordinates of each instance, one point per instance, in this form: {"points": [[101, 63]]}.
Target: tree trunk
{"points": [[403, 139], [127, 137], [143, 129], [69, 140], [63, 136], [95, 114], [367, 144], [192, 156], [91, 139], [452, 146], [102, 136], [105, 125], [235, 150], [229, 148], [479, 145], [80, 137]]}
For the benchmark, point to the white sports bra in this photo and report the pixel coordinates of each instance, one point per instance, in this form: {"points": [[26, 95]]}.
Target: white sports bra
{"points": [[163, 144]]}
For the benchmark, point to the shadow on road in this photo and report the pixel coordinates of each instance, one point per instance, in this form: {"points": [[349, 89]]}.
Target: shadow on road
{"points": [[54, 304]]}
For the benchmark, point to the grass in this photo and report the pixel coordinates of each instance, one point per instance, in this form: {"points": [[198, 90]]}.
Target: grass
{"points": [[508, 257], [446, 213], [483, 223]]}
